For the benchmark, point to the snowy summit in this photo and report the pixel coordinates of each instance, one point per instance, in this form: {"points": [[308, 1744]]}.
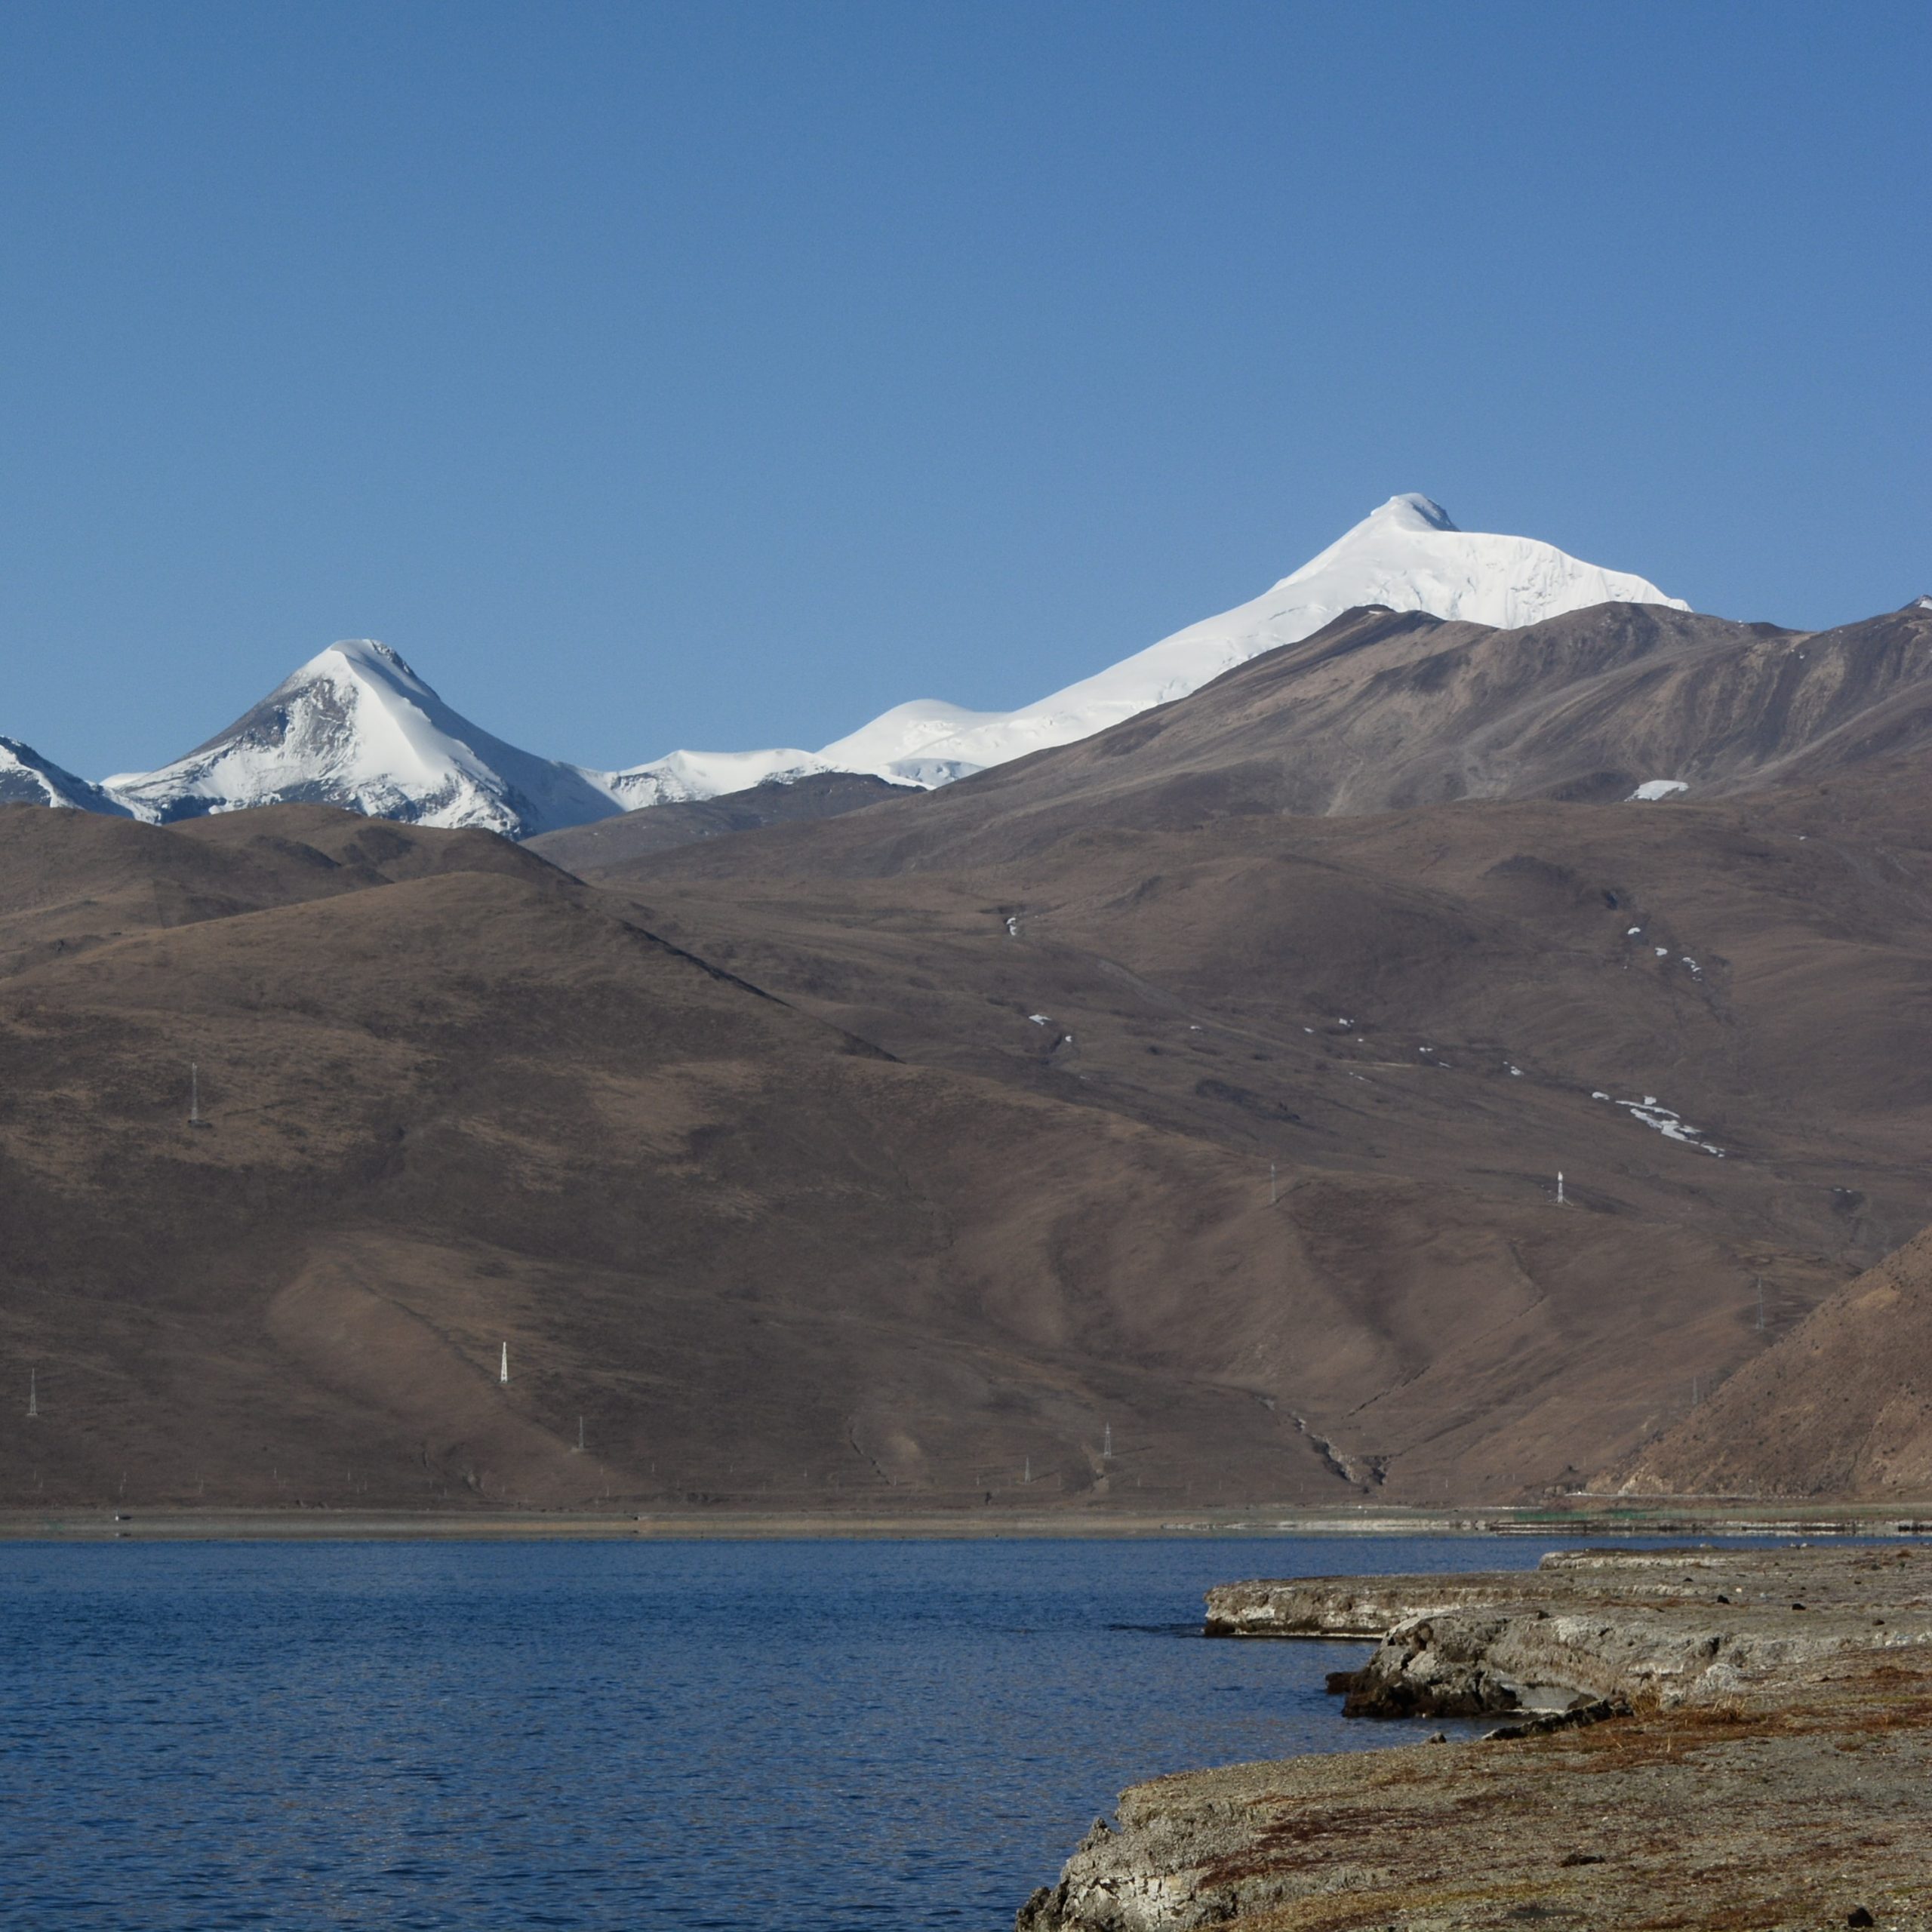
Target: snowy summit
{"points": [[356, 726], [1407, 556], [28, 779]]}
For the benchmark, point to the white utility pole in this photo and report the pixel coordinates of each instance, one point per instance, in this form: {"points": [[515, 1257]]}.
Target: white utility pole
{"points": [[33, 1394], [1559, 1187], [503, 1373]]}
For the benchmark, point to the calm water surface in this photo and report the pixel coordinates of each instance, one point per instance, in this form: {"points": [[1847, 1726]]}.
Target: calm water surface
{"points": [[804, 1736]]}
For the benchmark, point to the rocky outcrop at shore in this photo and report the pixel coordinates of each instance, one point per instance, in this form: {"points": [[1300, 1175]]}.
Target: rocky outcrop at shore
{"points": [[1367, 1607], [1711, 1738]]}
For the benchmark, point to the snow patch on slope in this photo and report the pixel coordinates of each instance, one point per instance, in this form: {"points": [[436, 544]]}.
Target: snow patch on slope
{"points": [[1651, 1112]]}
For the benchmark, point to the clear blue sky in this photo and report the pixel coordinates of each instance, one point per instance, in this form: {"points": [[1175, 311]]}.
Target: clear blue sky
{"points": [[720, 374]]}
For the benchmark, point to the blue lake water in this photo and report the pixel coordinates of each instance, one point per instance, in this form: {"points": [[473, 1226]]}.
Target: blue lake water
{"points": [[805, 1736]]}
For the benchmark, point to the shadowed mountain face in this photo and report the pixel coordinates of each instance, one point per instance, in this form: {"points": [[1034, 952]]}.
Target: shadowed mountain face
{"points": [[896, 1157]]}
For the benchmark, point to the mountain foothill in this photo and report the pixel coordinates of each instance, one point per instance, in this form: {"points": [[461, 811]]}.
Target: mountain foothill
{"points": [[1167, 1114]]}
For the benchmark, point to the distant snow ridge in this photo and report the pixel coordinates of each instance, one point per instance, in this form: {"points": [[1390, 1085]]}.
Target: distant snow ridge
{"points": [[890, 747], [28, 779], [685, 775], [1407, 556], [356, 726]]}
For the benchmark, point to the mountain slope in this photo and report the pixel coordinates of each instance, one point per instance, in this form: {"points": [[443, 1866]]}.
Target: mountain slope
{"points": [[355, 726], [657, 1145], [1406, 556], [1712, 1013], [76, 880], [1842, 1407], [1383, 710], [1716, 1018], [614, 841], [452, 1098]]}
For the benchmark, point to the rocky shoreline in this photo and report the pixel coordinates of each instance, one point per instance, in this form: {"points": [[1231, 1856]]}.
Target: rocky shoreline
{"points": [[1691, 1738]]}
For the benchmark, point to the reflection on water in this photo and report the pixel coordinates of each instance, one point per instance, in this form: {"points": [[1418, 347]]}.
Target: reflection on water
{"points": [[805, 1736]]}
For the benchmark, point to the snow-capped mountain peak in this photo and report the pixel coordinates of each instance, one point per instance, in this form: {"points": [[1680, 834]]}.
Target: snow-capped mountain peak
{"points": [[1407, 556], [28, 779], [355, 726], [1410, 511]]}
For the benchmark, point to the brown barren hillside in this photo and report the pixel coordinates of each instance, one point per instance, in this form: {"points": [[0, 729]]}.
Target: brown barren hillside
{"points": [[1416, 1021], [478, 1106], [1842, 1407], [75, 880], [606, 842], [1384, 710], [1712, 1015], [913, 1157]]}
